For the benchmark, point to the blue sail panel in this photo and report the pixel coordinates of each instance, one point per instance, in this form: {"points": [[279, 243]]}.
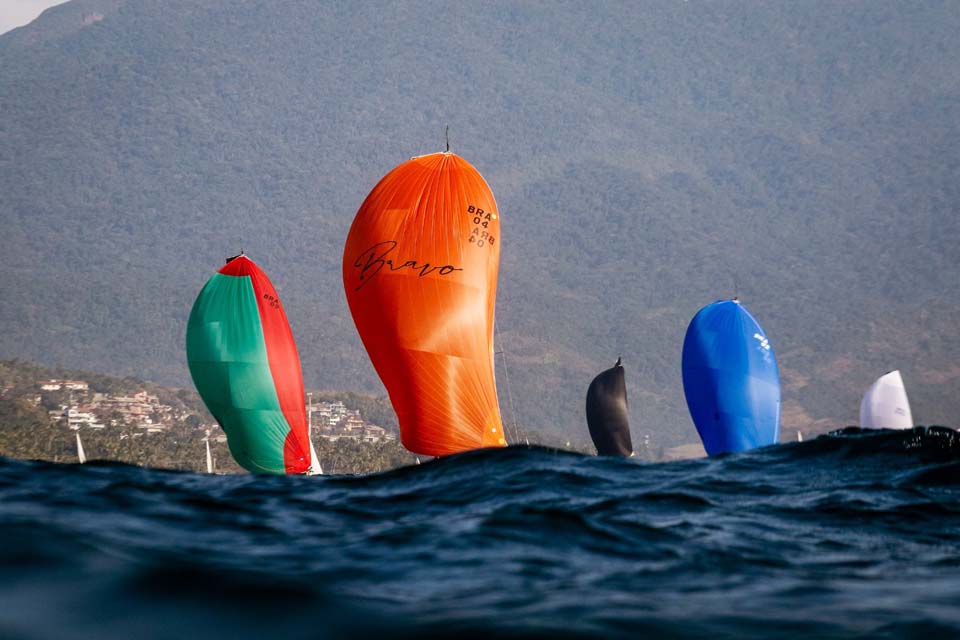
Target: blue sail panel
{"points": [[730, 379]]}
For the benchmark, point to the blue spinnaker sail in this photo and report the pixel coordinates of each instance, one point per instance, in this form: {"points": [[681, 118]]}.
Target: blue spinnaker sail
{"points": [[730, 379]]}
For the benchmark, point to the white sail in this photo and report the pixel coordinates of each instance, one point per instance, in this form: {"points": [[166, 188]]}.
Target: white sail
{"points": [[315, 468], [209, 457], [885, 405], [799, 437], [80, 454]]}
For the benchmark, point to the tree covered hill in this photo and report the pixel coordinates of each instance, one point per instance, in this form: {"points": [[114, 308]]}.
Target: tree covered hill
{"points": [[647, 160]]}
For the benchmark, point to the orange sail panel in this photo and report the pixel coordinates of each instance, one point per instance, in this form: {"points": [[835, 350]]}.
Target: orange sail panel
{"points": [[420, 273]]}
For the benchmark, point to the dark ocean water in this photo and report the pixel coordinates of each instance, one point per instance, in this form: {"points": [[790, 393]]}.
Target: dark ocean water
{"points": [[850, 535]]}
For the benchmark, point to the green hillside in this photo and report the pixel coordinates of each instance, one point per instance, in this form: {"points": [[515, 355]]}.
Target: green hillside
{"points": [[647, 160]]}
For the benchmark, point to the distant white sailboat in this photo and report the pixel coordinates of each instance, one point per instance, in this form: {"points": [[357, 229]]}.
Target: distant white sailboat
{"points": [[885, 404], [209, 457], [799, 436], [315, 468], [80, 454]]}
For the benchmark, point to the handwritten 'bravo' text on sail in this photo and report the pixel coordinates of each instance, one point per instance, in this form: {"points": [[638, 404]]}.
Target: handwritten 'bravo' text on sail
{"points": [[371, 261]]}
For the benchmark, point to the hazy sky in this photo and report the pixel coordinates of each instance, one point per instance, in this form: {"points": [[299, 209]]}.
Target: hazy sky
{"points": [[16, 13]]}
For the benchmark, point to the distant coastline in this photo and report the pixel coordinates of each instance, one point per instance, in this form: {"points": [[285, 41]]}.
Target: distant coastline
{"points": [[128, 420]]}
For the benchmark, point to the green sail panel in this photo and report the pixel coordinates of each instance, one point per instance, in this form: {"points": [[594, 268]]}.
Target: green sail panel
{"points": [[244, 363]]}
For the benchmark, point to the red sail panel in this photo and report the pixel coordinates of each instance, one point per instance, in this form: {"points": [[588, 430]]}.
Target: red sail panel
{"points": [[284, 362]]}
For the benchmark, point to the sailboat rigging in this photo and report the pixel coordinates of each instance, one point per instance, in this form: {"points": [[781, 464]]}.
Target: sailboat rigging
{"points": [[517, 435]]}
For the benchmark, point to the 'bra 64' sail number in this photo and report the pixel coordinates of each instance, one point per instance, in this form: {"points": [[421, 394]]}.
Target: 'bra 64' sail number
{"points": [[482, 220]]}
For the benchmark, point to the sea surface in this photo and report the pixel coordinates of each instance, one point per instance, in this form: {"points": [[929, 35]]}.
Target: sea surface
{"points": [[855, 534]]}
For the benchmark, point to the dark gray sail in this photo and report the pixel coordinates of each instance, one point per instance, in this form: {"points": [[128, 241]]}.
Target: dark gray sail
{"points": [[607, 413]]}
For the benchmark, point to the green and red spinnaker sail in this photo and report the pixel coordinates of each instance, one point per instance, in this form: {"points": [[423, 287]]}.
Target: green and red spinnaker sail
{"points": [[244, 362]]}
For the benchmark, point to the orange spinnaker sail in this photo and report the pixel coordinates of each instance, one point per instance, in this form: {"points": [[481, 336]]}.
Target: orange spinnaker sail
{"points": [[420, 273]]}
